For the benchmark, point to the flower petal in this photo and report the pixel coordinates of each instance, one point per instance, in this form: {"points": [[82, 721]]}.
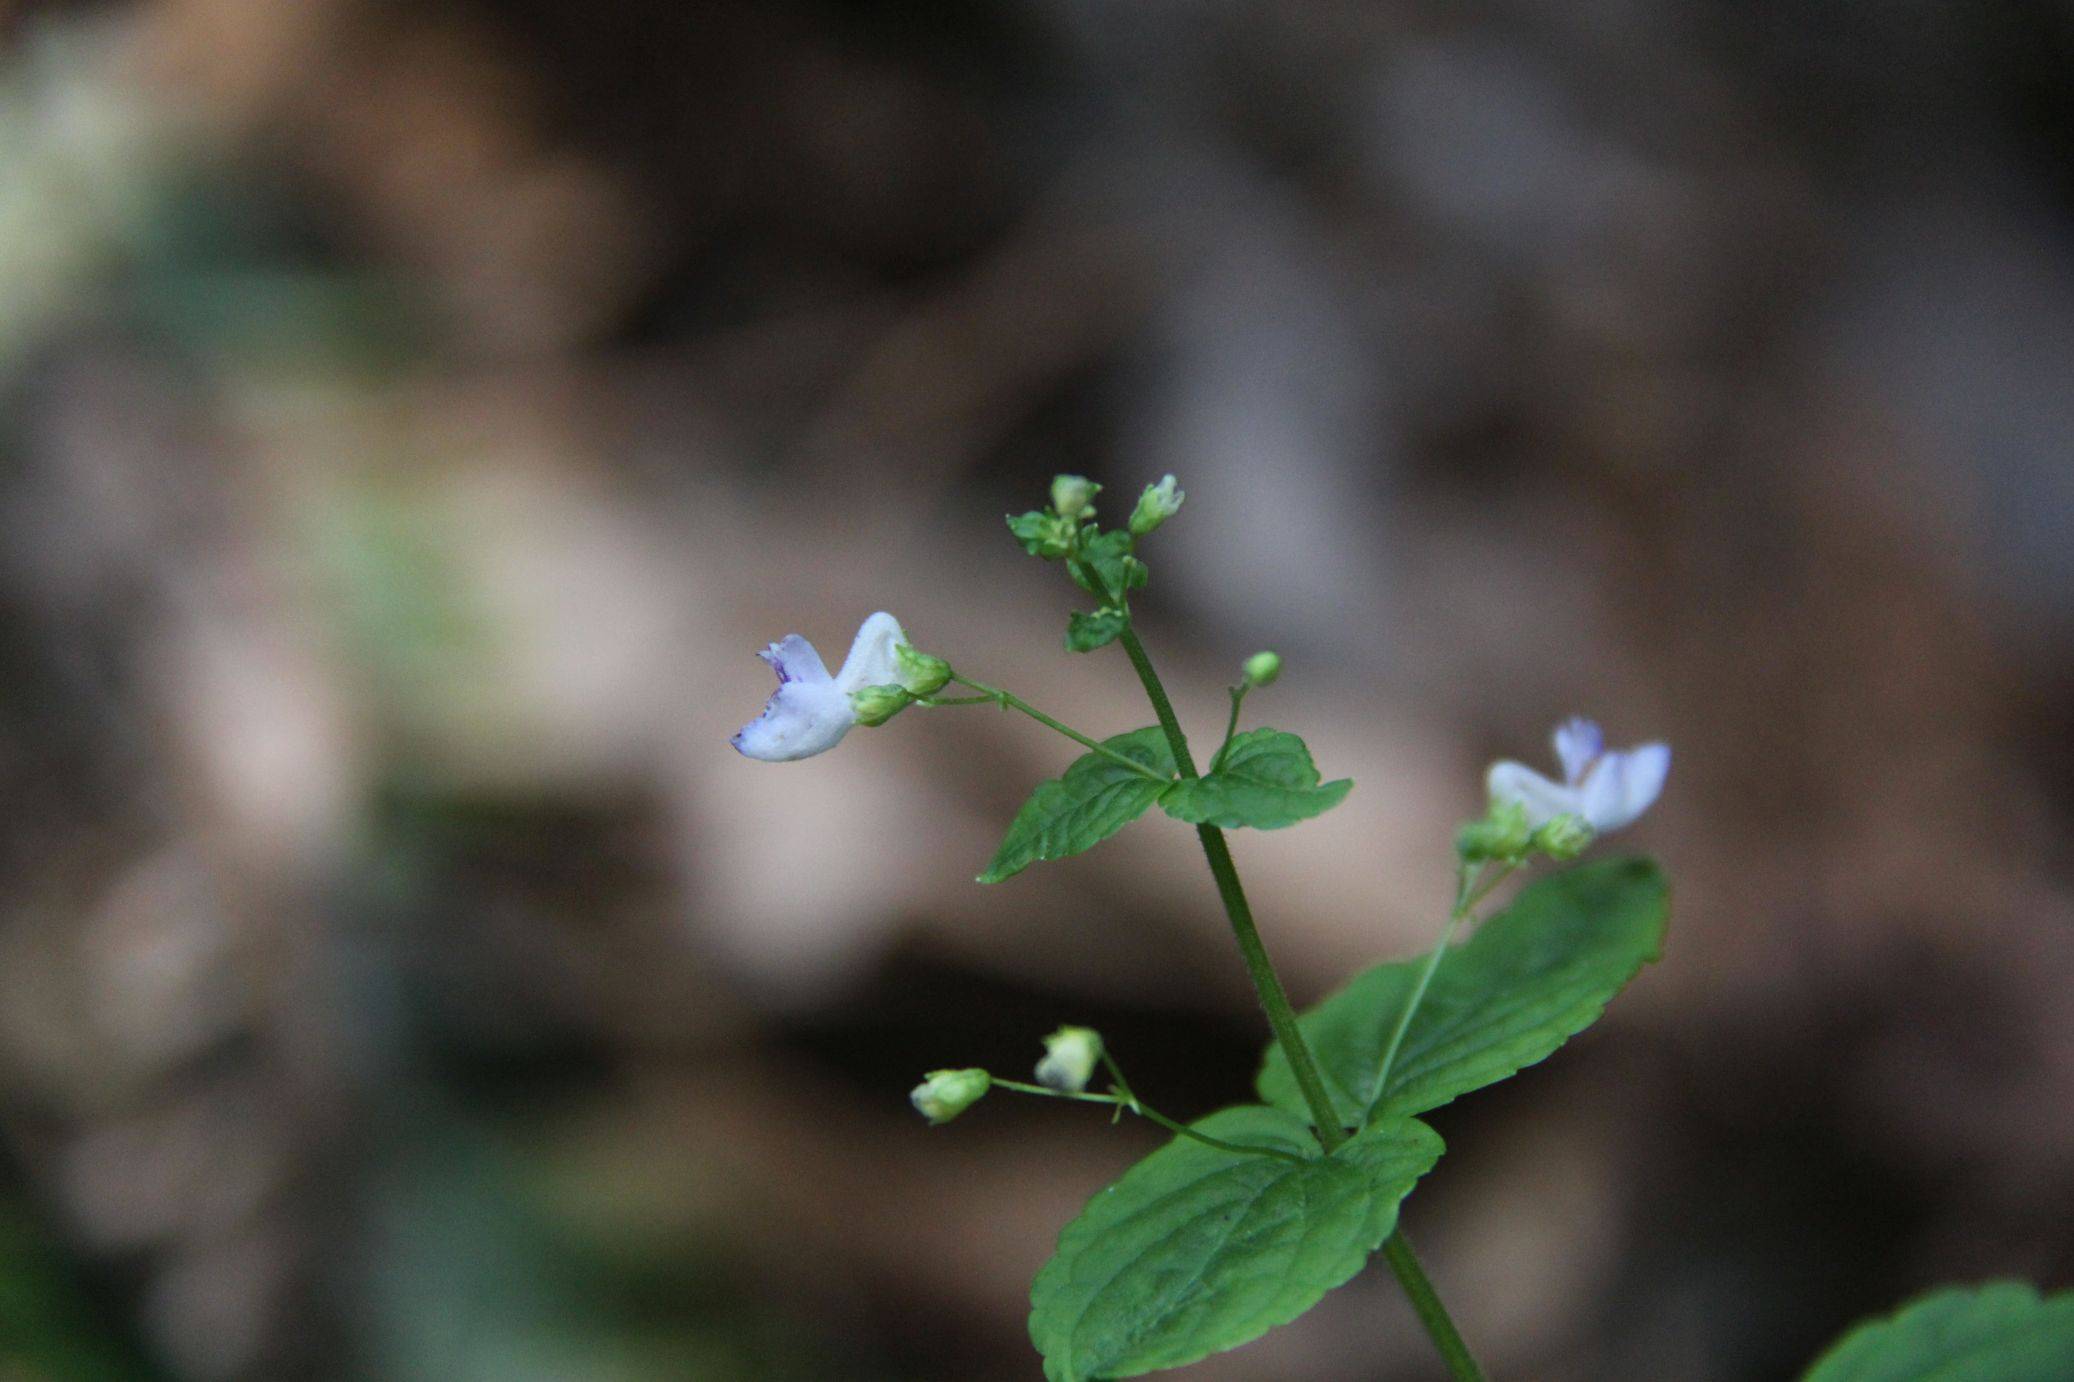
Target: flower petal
{"points": [[1624, 784], [1543, 800], [804, 718], [1578, 741], [794, 659], [870, 662]]}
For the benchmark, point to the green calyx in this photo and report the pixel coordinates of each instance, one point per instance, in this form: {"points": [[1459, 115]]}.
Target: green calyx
{"points": [[1564, 838], [874, 705], [1156, 505], [920, 673], [1502, 834]]}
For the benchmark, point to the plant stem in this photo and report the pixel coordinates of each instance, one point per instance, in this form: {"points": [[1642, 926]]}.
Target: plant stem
{"points": [[1464, 882], [1137, 1106], [1011, 701], [1125, 1099], [1468, 892], [1231, 728], [1266, 983], [1282, 1018], [1046, 1091], [1425, 1303]]}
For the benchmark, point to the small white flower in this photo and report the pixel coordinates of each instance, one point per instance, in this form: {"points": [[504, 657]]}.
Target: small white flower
{"points": [[1073, 496], [1156, 505], [1608, 789], [944, 1094], [1070, 1055], [811, 711]]}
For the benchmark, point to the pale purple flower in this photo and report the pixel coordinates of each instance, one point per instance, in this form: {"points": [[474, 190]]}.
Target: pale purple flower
{"points": [[811, 711], [1607, 788]]}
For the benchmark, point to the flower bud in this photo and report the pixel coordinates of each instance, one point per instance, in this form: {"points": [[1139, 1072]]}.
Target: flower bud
{"points": [[1156, 505], [944, 1094], [1074, 496], [1069, 1060], [1503, 833], [921, 674], [1564, 837], [874, 705], [1263, 668]]}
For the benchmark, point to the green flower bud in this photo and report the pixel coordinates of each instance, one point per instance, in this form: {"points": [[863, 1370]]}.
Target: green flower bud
{"points": [[1045, 534], [1564, 837], [921, 674], [877, 704], [1503, 833], [1156, 505], [1074, 496], [1069, 1060], [1263, 668], [944, 1094]]}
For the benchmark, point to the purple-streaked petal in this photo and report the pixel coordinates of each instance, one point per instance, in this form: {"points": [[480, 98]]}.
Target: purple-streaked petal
{"points": [[804, 718], [1624, 784], [794, 659], [1577, 742], [1543, 800], [870, 662]]}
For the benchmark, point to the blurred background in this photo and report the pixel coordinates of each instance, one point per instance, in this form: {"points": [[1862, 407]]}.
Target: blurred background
{"points": [[413, 417]]}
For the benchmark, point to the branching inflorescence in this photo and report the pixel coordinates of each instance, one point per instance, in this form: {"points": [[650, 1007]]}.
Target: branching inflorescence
{"points": [[1249, 1216]]}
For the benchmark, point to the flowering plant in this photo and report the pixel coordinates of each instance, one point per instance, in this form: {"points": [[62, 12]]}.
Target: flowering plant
{"points": [[1249, 1216]]}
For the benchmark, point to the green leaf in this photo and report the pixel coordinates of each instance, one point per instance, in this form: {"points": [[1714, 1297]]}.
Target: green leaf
{"points": [[1087, 632], [2001, 1332], [1197, 1250], [1094, 799], [1043, 533], [1535, 975], [1265, 779], [1109, 556]]}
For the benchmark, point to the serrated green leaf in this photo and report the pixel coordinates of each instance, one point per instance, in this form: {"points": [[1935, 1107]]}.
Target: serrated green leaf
{"points": [[1534, 976], [1087, 632], [2001, 1332], [1265, 779], [1092, 800], [1197, 1250]]}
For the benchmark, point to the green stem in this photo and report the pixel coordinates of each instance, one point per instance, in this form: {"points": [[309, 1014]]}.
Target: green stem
{"points": [[1138, 1106], [1468, 892], [1046, 1091], [1156, 692], [1425, 1303], [1010, 700], [1274, 999], [1464, 883], [1282, 1018], [1231, 727], [1126, 1100], [1266, 983], [1099, 588]]}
